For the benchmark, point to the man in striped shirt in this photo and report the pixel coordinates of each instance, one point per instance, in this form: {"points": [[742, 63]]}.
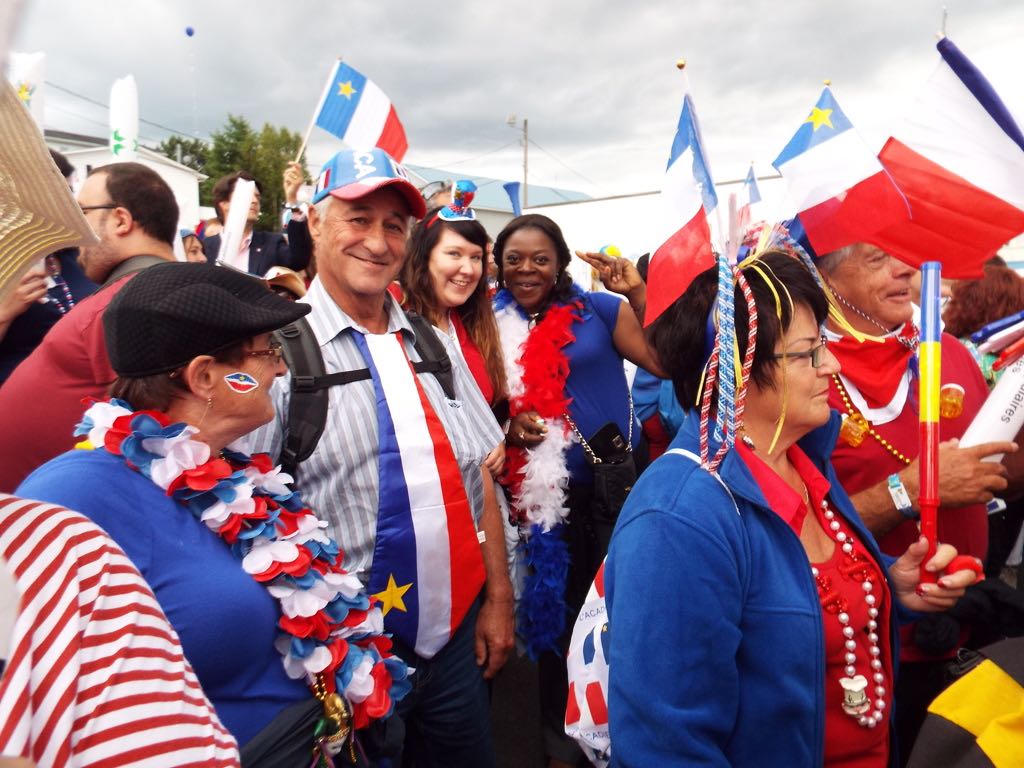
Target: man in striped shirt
{"points": [[94, 674], [359, 222]]}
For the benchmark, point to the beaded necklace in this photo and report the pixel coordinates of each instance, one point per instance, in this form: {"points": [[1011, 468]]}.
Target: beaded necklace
{"points": [[331, 630], [853, 413], [856, 701], [53, 270], [911, 343]]}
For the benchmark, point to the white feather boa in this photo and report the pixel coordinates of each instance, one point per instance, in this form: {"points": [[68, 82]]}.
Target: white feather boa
{"points": [[545, 475]]}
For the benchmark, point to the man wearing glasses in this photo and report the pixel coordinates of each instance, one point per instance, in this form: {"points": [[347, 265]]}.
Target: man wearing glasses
{"points": [[876, 456], [134, 214]]}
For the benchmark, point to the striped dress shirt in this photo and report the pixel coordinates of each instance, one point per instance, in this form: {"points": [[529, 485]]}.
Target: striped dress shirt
{"points": [[339, 481]]}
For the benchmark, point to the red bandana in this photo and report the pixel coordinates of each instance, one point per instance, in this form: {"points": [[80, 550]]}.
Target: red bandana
{"points": [[875, 368]]}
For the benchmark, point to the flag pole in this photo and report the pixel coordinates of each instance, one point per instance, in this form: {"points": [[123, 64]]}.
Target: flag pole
{"points": [[316, 112]]}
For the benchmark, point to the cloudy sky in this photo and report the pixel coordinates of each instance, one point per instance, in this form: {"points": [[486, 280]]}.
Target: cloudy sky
{"points": [[597, 79]]}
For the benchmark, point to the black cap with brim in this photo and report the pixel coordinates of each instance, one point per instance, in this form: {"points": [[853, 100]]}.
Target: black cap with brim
{"points": [[169, 314]]}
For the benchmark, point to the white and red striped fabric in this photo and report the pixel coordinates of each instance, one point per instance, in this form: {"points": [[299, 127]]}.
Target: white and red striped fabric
{"points": [[959, 159], [95, 675]]}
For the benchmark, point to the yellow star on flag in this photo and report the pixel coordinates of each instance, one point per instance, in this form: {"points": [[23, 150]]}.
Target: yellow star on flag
{"points": [[392, 595], [345, 89], [820, 117]]}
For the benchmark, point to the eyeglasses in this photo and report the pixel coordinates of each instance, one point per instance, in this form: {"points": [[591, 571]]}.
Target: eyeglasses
{"points": [[816, 354], [104, 207], [274, 350]]}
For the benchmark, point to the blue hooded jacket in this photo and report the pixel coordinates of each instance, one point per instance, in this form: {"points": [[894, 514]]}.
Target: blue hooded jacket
{"points": [[716, 642]]}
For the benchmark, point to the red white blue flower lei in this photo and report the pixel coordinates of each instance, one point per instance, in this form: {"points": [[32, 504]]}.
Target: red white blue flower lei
{"points": [[330, 628]]}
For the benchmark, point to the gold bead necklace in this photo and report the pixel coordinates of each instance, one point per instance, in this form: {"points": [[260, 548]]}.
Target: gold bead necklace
{"points": [[851, 411]]}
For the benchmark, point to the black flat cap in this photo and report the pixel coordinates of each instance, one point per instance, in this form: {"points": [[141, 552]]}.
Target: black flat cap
{"points": [[171, 313]]}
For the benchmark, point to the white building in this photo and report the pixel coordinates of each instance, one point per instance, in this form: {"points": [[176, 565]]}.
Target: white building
{"points": [[87, 152]]}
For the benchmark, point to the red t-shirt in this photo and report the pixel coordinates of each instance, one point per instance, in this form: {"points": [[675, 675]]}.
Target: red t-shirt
{"points": [[966, 528], [41, 402], [847, 744]]}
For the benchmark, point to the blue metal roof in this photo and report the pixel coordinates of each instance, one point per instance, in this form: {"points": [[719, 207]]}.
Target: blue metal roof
{"points": [[490, 195]]}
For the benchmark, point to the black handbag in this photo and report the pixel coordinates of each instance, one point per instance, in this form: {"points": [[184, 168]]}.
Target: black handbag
{"points": [[287, 740], [610, 456]]}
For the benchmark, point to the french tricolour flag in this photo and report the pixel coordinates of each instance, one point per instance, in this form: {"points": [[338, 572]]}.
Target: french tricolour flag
{"points": [[688, 193], [355, 110], [839, 188], [959, 159]]}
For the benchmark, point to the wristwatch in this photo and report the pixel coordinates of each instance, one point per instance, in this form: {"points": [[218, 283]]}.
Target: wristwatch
{"points": [[900, 497]]}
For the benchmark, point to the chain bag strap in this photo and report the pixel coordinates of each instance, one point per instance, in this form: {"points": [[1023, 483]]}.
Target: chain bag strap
{"points": [[592, 457]]}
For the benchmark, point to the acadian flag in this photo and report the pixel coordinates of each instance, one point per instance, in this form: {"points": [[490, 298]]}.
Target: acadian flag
{"points": [[840, 190], [26, 72], [427, 567], [689, 194], [959, 159], [749, 197], [742, 212], [355, 110]]}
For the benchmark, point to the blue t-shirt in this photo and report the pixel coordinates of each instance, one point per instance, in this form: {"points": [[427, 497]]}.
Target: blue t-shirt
{"points": [[227, 622], [597, 381]]}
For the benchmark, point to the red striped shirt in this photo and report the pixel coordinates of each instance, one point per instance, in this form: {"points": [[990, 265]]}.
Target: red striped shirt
{"points": [[95, 674]]}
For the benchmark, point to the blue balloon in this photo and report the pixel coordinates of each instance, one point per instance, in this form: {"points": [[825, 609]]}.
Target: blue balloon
{"points": [[189, 31]]}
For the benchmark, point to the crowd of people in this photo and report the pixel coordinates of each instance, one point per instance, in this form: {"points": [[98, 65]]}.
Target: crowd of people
{"points": [[311, 519]]}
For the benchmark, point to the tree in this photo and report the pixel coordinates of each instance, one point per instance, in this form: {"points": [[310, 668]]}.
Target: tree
{"points": [[190, 152], [265, 155]]}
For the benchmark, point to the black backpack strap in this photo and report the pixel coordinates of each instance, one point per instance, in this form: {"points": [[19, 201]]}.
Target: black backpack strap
{"points": [[307, 408], [433, 356]]}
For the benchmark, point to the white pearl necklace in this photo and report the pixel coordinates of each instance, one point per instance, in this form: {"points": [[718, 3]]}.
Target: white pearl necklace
{"points": [[856, 702]]}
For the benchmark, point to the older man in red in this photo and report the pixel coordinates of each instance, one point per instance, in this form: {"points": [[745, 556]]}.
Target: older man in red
{"points": [[877, 388]]}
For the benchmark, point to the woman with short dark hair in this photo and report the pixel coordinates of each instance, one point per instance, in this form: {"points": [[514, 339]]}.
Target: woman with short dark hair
{"points": [[751, 615]]}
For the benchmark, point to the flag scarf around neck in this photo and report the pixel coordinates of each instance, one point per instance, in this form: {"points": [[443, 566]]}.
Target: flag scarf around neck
{"points": [[357, 111], [876, 368], [839, 188], [427, 567], [959, 159], [537, 478], [688, 194]]}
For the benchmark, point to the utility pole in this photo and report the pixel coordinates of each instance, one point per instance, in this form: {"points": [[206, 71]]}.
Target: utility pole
{"points": [[512, 122], [526, 162]]}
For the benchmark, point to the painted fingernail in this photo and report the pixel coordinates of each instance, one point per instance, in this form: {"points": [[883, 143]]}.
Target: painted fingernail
{"points": [[923, 590]]}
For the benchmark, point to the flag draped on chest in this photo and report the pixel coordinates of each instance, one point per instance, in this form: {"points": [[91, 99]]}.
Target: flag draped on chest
{"points": [[427, 567]]}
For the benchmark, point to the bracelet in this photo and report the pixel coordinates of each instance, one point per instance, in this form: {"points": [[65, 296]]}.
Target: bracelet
{"points": [[900, 497]]}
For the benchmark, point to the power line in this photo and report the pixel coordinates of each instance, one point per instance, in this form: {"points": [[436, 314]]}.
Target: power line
{"points": [[559, 161], [107, 106], [477, 157], [142, 138]]}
